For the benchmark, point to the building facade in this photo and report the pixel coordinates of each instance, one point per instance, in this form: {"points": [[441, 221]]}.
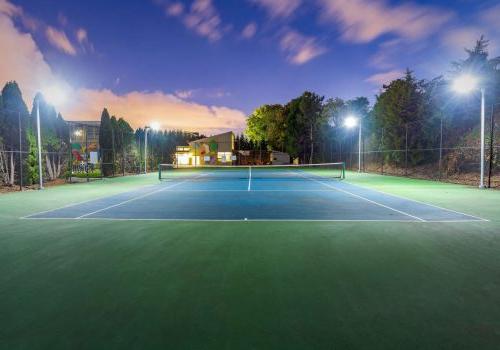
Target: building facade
{"points": [[213, 150]]}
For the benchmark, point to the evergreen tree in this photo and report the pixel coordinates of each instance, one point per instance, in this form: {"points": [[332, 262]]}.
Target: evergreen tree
{"points": [[13, 110], [54, 135], [106, 143]]}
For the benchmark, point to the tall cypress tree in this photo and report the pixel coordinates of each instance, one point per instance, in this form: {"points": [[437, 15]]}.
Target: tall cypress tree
{"points": [[13, 109], [106, 143]]}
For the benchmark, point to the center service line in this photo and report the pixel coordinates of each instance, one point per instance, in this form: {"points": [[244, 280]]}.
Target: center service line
{"points": [[249, 178]]}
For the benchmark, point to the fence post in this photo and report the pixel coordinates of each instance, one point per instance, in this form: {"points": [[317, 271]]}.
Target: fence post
{"points": [[70, 157], [492, 140], [363, 151], [87, 153], [382, 152], [123, 155], [113, 150], [441, 148], [406, 149], [20, 152]]}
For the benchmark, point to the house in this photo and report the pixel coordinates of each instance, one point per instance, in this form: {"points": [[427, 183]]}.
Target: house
{"points": [[213, 150]]}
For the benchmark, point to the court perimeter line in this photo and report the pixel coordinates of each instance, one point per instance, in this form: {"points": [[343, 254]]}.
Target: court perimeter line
{"points": [[136, 198], [82, 202], [363, 198], [258, 220], [417, 201], [249, 178]]}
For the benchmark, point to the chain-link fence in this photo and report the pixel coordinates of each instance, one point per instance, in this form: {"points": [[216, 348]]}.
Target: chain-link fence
{"points": [[437, 150]]}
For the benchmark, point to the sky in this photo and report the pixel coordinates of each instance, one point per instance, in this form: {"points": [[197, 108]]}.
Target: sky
{"points": [[204, 65]]}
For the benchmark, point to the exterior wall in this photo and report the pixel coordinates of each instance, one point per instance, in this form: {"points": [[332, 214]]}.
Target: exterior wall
{"points": [[217, 149], [280, 158]]}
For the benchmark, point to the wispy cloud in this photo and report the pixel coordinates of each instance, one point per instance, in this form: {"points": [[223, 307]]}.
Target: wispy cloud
{"points": [[10, 9], [380, 79], [362, 21], [175, 9], [299, 48], [59, 40], [23, 62], [184, 94], [486, 22], [249, 31], [279, 8], [202, 17], [83, 39]]}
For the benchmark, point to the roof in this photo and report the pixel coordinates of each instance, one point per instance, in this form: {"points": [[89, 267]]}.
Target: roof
{"points": [[218, 136], [84, 122]]}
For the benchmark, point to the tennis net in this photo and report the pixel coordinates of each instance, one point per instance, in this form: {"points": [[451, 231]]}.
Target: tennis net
{"points": [[289, 172]]}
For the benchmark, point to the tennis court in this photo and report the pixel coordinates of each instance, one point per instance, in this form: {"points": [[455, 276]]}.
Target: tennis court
{"points": [[256, 193]]}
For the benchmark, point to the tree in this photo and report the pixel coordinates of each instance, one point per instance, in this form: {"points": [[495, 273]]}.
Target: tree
{"points": [[311, 117], [54, 135], [106, 143], [13, 108], [268, 124], [400, 103]]}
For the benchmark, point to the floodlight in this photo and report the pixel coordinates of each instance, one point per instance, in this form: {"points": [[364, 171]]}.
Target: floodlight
{"points": [[54, 95], [350, 121], [155, 126], [465, 83]]}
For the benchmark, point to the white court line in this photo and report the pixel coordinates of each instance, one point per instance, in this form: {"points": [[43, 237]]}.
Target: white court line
{"points": [[249, 178], [136, 198], [417, 201], [363, 198], [83, 202], [253, 190], [258, 220]]}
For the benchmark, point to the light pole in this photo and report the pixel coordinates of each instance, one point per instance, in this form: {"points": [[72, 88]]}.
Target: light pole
{"points": [[39, 143], [146, 149], [55, 95], [154, 126], [351, 122], [465, 84]]}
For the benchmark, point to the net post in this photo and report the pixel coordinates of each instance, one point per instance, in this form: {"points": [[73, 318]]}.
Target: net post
{"points": [[343, 170], [159, 172]]}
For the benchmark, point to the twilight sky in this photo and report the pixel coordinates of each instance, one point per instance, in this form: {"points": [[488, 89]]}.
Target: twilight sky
{"points": [[203, 65]]}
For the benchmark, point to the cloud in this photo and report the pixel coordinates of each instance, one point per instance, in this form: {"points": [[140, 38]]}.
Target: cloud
{"points": [[83, 39], [9, 9], [278, 8], [81, 35], [457, 39], [59, 40], [23, 62], [175, 9], [170, 111], [380, 79], [62, 19], [363, 21], [184, 94], [202, 18], [485, 22], [299, 48], [490, 16], [249, 30]]}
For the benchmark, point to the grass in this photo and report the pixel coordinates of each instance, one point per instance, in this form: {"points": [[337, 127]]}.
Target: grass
{"points": [[250, 285]]}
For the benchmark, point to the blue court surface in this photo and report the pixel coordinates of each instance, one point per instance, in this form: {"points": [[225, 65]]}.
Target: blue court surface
{"points": [[245, 196]]}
